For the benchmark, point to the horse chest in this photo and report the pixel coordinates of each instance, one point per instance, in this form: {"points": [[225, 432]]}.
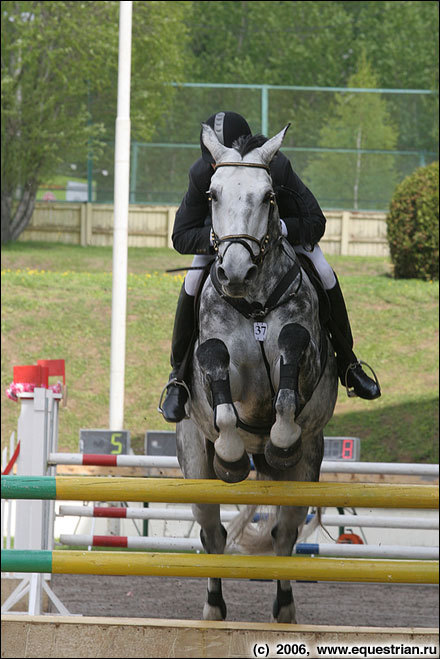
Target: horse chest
{"points": [[252, 368]]}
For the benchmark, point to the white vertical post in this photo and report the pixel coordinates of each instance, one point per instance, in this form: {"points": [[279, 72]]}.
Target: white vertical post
{"points": [[32, 433], [120, 233], [37, 432]]}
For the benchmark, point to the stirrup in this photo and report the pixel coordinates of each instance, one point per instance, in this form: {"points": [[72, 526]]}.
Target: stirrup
{"points": [[351, 392], [180, 383]]}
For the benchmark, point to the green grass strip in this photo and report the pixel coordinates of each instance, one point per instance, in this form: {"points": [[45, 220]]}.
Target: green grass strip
{"points": [[20, 560], [28, 487]]}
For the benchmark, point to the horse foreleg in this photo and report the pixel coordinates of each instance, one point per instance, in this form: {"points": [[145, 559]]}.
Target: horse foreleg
{"points": [[213, 537], [196, 455], [284, 536], [231, 462], [283, 450]]}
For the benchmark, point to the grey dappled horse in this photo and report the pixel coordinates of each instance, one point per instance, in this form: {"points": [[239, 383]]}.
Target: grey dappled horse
{"points": [[263, 377]]}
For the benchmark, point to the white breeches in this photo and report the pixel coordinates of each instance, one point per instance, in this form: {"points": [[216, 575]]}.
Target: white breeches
{"points": [[194, 277], [324, 270]]}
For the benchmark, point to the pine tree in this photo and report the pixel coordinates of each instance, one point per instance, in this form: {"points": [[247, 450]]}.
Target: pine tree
{"points": [[360, 122]]}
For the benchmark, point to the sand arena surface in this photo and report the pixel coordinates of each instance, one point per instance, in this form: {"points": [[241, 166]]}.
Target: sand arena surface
{"points": [[372, 605]]}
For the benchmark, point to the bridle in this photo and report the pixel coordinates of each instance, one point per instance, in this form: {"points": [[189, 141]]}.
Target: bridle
{"points": [[241, 238], [277, 298]]}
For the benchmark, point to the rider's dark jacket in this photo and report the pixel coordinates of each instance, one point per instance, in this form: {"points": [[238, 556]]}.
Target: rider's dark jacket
{"points": [[297, 206]]}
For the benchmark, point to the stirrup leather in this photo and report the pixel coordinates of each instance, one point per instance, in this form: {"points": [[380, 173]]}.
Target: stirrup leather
{"points": [[350, 392], [180, 383]]}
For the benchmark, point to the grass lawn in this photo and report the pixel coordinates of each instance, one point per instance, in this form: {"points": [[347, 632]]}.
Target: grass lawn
{"points": [[56, 303], [57, 187]]}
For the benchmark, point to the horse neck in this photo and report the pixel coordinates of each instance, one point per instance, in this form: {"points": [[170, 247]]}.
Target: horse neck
{"points": [[279, 258]]}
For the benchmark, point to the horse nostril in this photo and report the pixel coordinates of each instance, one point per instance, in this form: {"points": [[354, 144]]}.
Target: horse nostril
{"points": [[221, 274], [251, 274]]}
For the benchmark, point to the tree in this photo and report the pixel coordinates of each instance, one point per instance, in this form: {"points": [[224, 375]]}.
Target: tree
{"points": [[400, 38], [413, 223], [59, 81], [276, 43], [319, 44], [358, 122]]}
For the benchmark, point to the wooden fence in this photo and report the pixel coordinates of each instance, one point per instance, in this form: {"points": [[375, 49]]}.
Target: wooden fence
{"points": [[347, 232]]}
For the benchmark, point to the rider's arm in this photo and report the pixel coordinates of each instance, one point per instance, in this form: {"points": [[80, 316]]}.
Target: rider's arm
{"points": [[191, 232], [303, 217]]}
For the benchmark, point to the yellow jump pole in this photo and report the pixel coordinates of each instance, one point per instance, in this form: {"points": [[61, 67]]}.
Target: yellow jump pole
{"points": [[244, 567], [179, 490], [281, 493]]}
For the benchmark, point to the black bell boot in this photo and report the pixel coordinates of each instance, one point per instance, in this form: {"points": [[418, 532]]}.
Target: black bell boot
{"points": [[350, 371], [173, 406]]}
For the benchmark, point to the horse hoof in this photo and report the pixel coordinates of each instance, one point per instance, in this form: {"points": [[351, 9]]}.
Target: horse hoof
{"points": [[284, 607], [213, 613], [215, 607], [283, 458], [232, 472], [287, 615]]}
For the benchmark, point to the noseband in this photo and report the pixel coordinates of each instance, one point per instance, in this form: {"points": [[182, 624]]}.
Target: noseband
{"points": [[243, 237]]}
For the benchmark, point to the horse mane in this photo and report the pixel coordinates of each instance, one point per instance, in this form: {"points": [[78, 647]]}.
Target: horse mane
{"points": [[247, 143]]}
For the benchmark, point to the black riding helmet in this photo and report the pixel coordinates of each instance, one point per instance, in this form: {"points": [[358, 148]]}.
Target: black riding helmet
{"points": [[228, 126]]}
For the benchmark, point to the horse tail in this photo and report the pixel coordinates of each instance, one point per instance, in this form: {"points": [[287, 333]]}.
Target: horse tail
{"points": [[249, 531], [306, 529]]}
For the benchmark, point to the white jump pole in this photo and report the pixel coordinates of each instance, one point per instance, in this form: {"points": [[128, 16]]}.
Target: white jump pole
{"points": [[171, 462], [186, 515], [155, 543], [120, 232]]}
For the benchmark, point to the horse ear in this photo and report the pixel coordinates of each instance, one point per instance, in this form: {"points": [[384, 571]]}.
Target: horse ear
{"points": [[269, 148], [210, 140]]}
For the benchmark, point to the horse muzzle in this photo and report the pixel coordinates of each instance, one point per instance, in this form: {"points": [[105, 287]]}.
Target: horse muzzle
{"points": [[235, 282]]}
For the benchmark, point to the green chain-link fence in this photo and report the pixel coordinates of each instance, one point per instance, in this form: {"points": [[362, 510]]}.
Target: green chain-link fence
{"points": [[350, 146]]}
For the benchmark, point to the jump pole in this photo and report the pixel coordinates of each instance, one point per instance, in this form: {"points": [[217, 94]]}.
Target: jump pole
{"points": [[172, 490], [186, 515], [221, 566], [157, 543], [170, 462]]}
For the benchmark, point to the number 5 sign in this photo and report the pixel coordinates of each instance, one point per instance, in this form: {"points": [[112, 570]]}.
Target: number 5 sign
{"points": [[104, 442]]}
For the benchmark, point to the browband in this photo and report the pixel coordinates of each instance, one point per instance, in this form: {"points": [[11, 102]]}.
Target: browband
{"points": [[242, 164]]}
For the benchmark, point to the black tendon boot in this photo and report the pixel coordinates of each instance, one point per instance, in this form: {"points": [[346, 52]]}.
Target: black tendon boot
{"points": [[173, 406], [350, 370]]}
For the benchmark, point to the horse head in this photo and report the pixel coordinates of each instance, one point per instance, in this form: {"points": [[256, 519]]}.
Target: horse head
{"points": [[245, 219]]}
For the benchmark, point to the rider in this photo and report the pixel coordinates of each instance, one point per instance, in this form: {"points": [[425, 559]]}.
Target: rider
{"points": [[191, 235]]}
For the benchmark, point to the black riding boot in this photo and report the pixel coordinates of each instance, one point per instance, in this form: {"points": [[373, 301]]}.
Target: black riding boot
{"points": [[350, 370], [173, 406]]}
